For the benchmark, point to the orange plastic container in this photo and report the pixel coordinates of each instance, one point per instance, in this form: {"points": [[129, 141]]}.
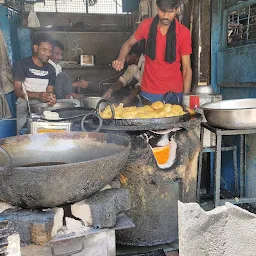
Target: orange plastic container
{"points": [[162, 154]]}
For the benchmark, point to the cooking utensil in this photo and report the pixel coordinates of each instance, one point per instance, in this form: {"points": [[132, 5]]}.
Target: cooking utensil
{"points": [[75, 101], [92, 101], [74, 114], [173, 93], [39, 108], [202, 89], [26, 98], [142, 124], [231, 114], [88, 118], [53, 169]]}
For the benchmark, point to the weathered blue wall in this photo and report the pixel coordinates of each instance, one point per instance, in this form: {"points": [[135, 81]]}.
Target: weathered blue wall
{"points": [[9, 23], [24, 42], [238, 64], [233, 66]]}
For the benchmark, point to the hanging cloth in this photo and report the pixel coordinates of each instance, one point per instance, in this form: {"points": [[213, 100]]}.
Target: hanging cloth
{"points": [[6, 79]]}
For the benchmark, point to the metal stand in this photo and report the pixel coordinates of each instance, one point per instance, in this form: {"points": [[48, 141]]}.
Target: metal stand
{"points": [[217, 166]]}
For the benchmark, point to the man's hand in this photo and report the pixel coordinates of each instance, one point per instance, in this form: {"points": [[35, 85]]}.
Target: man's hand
{"points": [[53, 100], [107, 94], [48, 97], [84, 84], [118, 64], [81, 84], [45, 96]]}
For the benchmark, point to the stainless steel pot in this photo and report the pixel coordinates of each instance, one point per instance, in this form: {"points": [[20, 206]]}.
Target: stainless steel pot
{"points": [[231, 114], [39, 108], [51, 169], [91, 102], [202, 89]]}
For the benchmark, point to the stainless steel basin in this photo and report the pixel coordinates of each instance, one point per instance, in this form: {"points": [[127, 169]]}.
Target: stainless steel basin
{"points": [[39, 108], [91, 101], [231, 114]]}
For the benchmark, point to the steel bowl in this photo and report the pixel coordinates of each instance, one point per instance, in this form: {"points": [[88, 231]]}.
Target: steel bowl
{"points": [[91, 102], [202, 89], [231, 114], [39, 108]]}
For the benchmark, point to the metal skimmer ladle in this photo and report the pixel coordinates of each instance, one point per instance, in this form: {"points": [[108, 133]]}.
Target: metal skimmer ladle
{"points": [[26, 98]]}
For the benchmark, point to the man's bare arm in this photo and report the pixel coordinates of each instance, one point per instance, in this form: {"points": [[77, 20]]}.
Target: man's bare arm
{"points": [[116, 87], [20, 94], [118, 64], [186, 73], [131, 97], [43, 96]]}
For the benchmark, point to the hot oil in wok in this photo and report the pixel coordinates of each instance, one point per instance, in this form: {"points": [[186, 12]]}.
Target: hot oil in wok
{"points": [[43, 164]]}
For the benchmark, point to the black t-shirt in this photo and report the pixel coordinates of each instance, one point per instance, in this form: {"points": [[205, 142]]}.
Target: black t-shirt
{"points": [[27, 71]]}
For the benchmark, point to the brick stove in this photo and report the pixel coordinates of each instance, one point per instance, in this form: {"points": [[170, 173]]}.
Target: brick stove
{"points": [[93, 219]]}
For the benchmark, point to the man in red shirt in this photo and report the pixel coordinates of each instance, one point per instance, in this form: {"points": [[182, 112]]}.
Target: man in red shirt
{"points": [[167, 56]]}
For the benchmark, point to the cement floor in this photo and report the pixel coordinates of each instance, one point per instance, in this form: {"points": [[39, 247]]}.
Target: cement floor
{"points": [[32, 250], [170, 249]]}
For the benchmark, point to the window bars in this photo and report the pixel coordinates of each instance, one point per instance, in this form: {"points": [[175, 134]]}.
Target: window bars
{"points": [[80, 6], [241, 26]]}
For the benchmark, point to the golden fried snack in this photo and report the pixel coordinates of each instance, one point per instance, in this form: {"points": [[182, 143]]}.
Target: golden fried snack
{"points": [[170, 114], [142, 116], [164, 110], [161, 113], [130, 108], [177, 108], [148, 108], [167, 108], [105, 115], [157, 105], [128, 115], [191, 111]]}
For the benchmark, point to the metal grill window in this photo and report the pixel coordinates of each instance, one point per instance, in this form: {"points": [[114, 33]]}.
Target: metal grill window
{"points": [[80, 6], [241, 27], [47, 6]]}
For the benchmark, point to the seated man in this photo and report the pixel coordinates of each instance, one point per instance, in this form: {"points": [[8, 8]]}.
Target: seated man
{"points": [[35, 76], [135, 59], [63, 85]]}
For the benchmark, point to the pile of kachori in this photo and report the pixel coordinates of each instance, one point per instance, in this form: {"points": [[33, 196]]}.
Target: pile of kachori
{"points": [[156, 110]]}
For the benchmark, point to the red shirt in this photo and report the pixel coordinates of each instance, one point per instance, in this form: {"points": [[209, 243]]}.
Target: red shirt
{"points": [[160, 76]]}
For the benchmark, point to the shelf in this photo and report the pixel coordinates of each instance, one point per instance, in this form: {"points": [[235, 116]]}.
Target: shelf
{"points": [[81, 30], [88, 67]]}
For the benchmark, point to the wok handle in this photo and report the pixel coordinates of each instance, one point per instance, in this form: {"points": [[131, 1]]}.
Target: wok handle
{"points": [[8, 167], [91, 116], [109, 103], [174, 93]]}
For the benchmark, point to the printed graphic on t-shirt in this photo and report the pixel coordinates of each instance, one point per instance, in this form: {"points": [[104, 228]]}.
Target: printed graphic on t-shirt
{"points": [[37, 72]]}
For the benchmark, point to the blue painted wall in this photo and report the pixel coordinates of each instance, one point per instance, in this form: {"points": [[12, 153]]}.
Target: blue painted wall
{"points": [[232, 65], [9, 23], [24, 42]]}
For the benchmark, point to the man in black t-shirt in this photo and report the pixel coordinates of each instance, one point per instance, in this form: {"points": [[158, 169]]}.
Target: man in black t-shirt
{"points": [[37, 76]]}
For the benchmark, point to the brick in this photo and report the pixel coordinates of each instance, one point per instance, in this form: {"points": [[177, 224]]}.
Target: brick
{"points": [[101, 209], [29, 224], [5, 206], [41, 232], [73, 224], [57, 221]]}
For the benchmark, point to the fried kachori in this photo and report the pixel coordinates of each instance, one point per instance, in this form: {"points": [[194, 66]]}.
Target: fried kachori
{"points": [[156, 110]]}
